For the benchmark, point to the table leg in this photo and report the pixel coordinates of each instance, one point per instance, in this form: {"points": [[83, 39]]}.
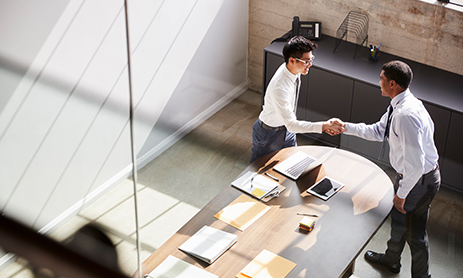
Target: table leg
{"points": [[349, 271]]}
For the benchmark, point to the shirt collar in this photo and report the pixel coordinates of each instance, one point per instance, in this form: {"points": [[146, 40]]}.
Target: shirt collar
{"points": [[289, 74], [398, 99]]}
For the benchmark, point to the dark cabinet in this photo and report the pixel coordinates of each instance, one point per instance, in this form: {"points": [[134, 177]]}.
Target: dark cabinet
{"points": [[452, 166], [302, 108], [441, 119], [272, 63], [329, 95], [368, 105]]}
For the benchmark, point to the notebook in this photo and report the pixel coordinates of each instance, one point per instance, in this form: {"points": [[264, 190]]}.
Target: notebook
{"points": [[300, 162], [208, 243], [242, 212], [172, 267], [255, 185], [267, 265]]}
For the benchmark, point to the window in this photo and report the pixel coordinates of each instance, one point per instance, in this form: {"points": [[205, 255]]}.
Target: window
{"points": [[456, 2], [451, 4]]}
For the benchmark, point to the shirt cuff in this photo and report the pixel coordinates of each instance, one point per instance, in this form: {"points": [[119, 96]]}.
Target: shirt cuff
{"points": [[403, 191], [349, 128], [318, 127]]}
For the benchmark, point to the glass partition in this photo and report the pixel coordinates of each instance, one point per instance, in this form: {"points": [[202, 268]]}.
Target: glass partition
{"points": [[65, 119]]}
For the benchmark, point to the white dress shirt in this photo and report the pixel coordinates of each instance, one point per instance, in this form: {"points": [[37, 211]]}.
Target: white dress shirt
{"points": [[280, 97], [411, 139]]}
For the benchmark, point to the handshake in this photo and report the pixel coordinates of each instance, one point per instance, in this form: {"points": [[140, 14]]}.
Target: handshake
{"points": [[334, 126]]}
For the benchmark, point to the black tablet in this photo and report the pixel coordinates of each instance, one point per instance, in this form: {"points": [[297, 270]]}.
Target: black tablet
{"points": [[325, 188]]}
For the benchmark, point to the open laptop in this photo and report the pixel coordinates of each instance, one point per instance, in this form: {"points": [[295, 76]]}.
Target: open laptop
{"points": [[300, 162]]}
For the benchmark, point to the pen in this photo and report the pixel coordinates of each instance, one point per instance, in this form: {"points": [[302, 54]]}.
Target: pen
{"points": [[307, 214], [252, 179], [268, 175]]}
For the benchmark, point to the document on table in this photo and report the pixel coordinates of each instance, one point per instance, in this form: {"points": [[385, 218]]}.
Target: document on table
{"points": [[255, 185], [267, 265], [208, 243], [172, 267], [242, 212]]}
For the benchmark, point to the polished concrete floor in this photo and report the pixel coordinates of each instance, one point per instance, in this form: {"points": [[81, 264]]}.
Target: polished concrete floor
{"points": [[183, 179]]}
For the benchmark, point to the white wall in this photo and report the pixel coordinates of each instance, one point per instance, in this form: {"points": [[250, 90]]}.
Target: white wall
{"points": [[64, 102]]}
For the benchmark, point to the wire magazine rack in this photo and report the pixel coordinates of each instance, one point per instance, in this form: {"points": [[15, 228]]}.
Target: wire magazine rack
{"points": [[355, 23]]}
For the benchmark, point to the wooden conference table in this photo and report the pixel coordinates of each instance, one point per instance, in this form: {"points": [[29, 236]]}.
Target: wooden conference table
{"points": [[346, 222]]}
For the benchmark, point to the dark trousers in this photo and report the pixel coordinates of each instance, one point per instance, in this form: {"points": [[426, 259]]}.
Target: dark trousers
{"points": [[266, 140], [411, 227]]}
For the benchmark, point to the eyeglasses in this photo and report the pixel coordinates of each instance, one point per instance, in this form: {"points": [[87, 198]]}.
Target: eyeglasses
{"points": [[305, 61]]}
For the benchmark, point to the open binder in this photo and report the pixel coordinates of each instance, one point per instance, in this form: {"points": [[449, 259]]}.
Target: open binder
{"points": [[255, 185]]}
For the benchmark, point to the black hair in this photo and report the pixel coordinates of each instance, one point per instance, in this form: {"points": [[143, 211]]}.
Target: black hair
{"points": [[91, 242], [398, 71], [296, 47]]}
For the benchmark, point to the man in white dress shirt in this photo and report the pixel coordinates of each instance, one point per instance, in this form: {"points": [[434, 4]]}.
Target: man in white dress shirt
{"points": [[277, 124], [409, 130]]}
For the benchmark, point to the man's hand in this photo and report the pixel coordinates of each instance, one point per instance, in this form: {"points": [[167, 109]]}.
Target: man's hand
{"points": [[399, 204], [333, 126]]}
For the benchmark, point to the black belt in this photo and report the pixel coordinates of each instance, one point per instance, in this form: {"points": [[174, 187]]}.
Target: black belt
{"points": [[267, 127], [424, 175], [430, 173], [433, 169]]}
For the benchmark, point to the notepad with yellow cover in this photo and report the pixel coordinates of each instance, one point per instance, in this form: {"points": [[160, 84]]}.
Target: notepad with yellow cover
{"points": [[242, 212], [267, 265]]}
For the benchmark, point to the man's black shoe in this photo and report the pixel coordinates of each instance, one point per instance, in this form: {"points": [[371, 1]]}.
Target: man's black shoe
{"points": [[377, 258]]}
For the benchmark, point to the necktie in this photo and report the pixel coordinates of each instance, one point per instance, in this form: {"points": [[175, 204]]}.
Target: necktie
{"points": [[296, 98], [386, 132], [388, 124]]}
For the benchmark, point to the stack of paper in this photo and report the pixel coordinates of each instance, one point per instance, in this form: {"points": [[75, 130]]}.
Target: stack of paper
{"points": [[307, 224], [172, 267], [242, 212], [208, 244], [267, 265], [255, 185]]}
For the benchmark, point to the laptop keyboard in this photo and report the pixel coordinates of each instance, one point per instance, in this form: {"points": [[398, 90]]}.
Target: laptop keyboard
{"points": [[299, 167]]}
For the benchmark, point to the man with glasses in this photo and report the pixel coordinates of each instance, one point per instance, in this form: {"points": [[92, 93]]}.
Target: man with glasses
{"points": [[277, 124]]}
